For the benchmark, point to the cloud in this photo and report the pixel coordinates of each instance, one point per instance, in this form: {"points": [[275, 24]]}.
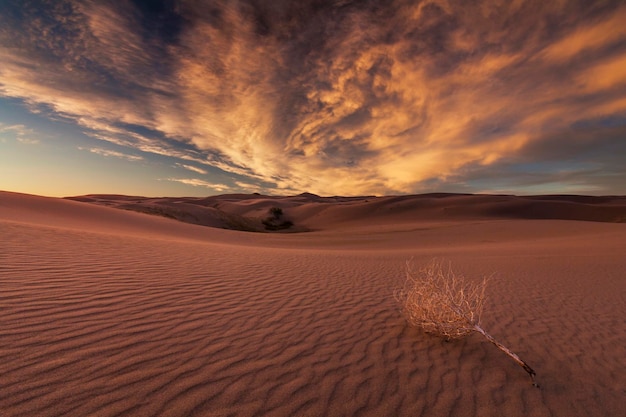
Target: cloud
{"points": [[28, 141], [21, 133], [193, 168], [200, 183], [587, 158], [606, 75], [328, 97], [247, 186], [588, 38], [108, 153], [12, 128]]}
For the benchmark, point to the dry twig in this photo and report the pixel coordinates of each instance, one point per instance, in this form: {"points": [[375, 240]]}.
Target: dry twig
{"points": [[438, 301]]}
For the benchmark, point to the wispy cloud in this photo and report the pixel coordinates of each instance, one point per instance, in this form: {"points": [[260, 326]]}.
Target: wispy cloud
{"points": [[110, 153], [193, 168], [12, 128], [200, 183], [20, 133], [28, 141], [332, 98]]}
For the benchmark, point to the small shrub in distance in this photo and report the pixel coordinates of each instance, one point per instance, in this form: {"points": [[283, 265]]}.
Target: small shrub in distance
{"points": [[275, 221], [276, 212]]}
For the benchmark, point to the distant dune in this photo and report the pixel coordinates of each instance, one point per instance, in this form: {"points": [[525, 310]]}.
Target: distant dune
{"points": [[109, 312], [311, 212]]}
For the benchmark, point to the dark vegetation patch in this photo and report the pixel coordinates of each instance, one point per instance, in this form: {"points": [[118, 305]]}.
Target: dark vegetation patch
{"points": [[275, 221]]}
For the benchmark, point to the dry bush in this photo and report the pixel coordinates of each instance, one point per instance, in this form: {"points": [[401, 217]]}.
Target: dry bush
{"points": [[440, 302]]}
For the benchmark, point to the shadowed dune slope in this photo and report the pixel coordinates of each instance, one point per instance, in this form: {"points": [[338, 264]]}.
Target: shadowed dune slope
{"points": [[311, 212], [110, 312]]}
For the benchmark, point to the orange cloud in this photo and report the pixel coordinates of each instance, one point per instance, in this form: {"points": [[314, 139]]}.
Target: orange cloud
{"points": [[589, 37], [343, 101], [608, 74]]}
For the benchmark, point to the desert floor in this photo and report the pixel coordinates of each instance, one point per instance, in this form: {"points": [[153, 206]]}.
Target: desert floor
{"points": [[109, 312]]}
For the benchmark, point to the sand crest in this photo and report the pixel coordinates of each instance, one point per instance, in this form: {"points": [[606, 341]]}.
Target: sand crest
{"points": [[111, 312]]}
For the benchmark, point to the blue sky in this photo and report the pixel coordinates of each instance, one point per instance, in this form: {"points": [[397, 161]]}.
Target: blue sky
{"points": [[173, 98]]}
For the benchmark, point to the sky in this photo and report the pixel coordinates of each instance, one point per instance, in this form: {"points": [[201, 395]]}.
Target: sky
{"points": [[332, 97]]}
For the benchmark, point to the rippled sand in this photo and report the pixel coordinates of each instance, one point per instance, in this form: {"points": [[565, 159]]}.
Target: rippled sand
{"points": [[107, 312]]}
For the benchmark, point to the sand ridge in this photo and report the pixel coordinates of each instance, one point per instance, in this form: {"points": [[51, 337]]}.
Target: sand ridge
{"points": [[110, 312]]}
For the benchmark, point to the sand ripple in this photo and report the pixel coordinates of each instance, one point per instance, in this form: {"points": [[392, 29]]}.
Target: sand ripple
{"points": [[106, 325]]}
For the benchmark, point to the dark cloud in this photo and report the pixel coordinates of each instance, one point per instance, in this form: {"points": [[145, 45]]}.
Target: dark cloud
{"points": [[590, 140], [589, 158], [161, 21]]}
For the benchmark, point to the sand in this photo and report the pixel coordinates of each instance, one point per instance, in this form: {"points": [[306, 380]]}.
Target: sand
{"points": [[108, 312]]}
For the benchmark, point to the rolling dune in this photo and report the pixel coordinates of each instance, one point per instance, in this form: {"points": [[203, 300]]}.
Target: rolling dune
{"points": [[312, 212], [108, 312]]}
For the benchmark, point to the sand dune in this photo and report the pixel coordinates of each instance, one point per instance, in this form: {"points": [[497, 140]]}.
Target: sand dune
{"points": [[109, 312], [312, 212]]}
